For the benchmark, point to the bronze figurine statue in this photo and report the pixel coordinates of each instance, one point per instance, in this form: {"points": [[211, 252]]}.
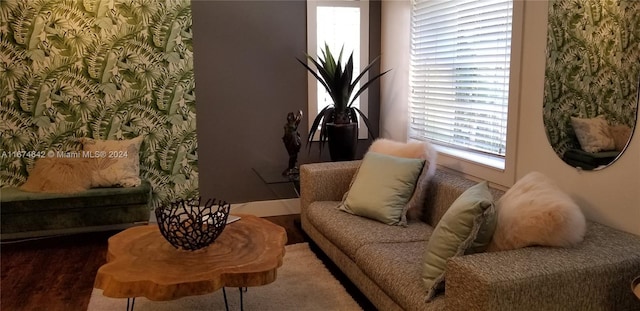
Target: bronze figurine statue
{"points": [[292, 142]]}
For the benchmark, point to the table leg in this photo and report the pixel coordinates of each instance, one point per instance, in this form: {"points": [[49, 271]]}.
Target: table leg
{"points": [[133, 301], [241, 300], [226, 304]]}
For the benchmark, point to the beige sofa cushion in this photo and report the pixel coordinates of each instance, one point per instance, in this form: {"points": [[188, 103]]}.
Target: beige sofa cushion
{"points": [[396, 268], [350, 232]]}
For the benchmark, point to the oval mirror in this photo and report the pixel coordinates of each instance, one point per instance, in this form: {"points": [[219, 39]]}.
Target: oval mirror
{"points": [[591, 79]]}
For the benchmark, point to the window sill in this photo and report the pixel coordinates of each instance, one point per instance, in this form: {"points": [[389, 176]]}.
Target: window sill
{"points": [[474, 157], [476, 166]]}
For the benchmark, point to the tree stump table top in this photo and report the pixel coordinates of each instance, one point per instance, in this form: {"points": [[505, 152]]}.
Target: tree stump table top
{"points": [[141, 263]]}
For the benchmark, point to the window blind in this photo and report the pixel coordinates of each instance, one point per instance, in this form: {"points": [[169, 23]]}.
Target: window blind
{"points": [[460, 53]]}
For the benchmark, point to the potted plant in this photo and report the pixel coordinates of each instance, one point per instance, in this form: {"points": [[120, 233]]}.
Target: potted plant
{"points": [[338, 122]]}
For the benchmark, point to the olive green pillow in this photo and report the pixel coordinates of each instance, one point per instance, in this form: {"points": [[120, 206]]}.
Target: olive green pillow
{"points": [[382, 187], [466, 227]]}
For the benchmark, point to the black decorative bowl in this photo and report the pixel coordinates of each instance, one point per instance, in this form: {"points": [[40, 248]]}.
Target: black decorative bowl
{"points": [[191, 225]]}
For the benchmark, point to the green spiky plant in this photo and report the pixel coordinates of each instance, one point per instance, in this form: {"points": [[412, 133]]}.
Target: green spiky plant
{"points": [[342, 87]]}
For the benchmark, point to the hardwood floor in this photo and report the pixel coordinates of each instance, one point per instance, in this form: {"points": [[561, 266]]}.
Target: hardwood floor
{"points": [[51, 274], [57, 273]]}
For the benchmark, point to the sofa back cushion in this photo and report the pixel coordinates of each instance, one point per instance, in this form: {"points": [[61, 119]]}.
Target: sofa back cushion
{"points": [[444, 188]]}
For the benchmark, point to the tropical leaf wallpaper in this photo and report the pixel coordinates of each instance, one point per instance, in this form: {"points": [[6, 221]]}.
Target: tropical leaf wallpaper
{"points": [[105, 69], [593, 65]]}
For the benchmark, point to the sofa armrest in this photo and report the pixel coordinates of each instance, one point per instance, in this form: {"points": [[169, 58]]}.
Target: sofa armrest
{"points": [[592, 276], [326, 181]]}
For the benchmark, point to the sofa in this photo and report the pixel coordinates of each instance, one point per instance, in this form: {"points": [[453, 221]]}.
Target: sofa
{"points": [[385, 262], [29, 214]]}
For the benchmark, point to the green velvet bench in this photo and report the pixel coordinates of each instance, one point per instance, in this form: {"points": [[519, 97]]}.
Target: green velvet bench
{"points": [[589, 160], [28, 214]]}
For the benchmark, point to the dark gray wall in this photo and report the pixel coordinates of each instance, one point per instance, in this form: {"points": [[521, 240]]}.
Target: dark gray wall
{"points": [[247, 80]]}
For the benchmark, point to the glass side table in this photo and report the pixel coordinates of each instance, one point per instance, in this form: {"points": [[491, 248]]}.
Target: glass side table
{"points": [[273, 175]]}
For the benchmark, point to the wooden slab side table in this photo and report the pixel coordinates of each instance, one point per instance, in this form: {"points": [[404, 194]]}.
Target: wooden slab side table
{"points": [[141, 263]]}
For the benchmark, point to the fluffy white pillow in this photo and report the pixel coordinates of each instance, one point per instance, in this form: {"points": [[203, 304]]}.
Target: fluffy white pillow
{"points": [[59, 175], [536, 212], [125, 169], [414, 150], [593, 134], [620, 134]]}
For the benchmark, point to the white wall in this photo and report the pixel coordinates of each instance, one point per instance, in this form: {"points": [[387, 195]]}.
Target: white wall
{"points": [[394, 86], [610, 196]]}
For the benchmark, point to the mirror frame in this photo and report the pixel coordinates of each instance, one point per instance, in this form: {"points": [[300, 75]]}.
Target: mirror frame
{"points": [[592, 69]]}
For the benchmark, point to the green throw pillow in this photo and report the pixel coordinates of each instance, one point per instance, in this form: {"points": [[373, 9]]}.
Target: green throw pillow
{"points": [[382, 187], [466, 227]]}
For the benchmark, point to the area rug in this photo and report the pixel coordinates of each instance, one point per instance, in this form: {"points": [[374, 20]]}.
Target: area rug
{"points": [[303, 283]]}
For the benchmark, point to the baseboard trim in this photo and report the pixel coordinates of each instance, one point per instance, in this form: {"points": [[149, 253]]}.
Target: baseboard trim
{"points": [[28, 235], [258, 208], [268, 208]]}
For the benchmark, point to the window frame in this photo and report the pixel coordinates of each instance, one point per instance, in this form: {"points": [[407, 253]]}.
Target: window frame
{"points": [[312, 48], [495, 169]]}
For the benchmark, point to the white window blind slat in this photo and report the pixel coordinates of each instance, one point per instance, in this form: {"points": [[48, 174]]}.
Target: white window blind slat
{"points": [[461, 94], [447, 73], [484, 124], [441, 24], [452, 6], [444, 128], [492, 45], [441, 104], [460, 73]]}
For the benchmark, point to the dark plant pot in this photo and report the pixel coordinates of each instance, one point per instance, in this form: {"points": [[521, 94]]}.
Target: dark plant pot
{"points": [[343, 140]]}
